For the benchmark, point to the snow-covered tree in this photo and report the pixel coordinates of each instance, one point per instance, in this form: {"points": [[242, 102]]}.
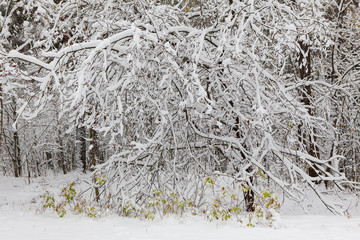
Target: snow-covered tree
{"points": [[181, 90]]}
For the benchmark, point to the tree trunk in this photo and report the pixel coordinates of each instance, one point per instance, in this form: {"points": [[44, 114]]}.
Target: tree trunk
{"points": [[94, 149], [17, 159], [16, 147], [62, 154], [28, 169], [82, 148], [61, 146], [305, 136], [249, 195]]}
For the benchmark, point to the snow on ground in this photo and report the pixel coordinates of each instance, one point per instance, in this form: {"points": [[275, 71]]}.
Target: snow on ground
{"points": [[19, 219], [27, 226], [312, 204]]}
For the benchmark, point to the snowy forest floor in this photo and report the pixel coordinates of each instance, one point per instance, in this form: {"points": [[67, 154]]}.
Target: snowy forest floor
{"points": [[20, 219]]}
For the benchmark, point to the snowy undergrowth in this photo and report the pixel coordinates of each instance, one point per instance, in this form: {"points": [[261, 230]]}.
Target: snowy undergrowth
{"points": [[215, 200], [70, 196], [19, 201]]}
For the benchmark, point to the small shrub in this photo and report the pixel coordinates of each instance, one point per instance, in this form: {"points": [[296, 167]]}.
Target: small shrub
{"points": [[266, 205], [91, 212], [168, 203], [48, 200], [68, 202], [129, 210]]}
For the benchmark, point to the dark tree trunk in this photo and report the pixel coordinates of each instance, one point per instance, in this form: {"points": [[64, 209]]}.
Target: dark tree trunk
{"points": [[94, 149], [49, 160], [16, 147], [305, 136], [17, 157], [98, 155], [249, 195], [82, 147]]}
